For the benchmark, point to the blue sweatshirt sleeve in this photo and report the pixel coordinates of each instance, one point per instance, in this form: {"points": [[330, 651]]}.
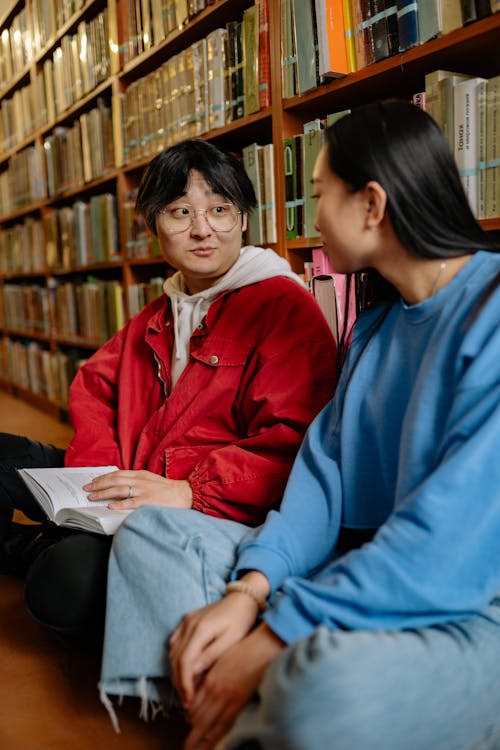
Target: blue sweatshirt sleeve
{"points": [[435, 559], [298, 538]]}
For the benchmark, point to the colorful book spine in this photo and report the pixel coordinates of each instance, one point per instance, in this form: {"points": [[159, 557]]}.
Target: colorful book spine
{"points": [[407, 24], [264, 54]]}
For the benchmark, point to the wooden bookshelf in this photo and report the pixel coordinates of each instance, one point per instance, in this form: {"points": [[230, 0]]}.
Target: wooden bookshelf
{"points": [[472, 49]]}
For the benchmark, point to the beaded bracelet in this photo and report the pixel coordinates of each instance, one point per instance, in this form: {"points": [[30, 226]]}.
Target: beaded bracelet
{"points": [[244, 588]]}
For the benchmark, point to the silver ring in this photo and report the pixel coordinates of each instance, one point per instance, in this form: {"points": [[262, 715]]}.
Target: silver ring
{"points": [[130, 491]]}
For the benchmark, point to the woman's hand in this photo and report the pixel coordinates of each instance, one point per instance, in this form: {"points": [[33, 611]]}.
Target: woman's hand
{"points": [[228, 686], [129, 489], [203, 636]]}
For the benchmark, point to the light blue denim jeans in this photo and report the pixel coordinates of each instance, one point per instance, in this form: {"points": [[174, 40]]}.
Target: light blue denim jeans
{"points": [[164, 563], [435, 688]]}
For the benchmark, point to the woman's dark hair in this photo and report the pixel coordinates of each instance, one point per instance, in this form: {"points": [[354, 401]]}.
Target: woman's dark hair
{"points": [[403, 149], [167, 175]]}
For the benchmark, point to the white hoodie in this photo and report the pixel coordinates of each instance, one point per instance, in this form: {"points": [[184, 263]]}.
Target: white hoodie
{"points": [[254, 264]]}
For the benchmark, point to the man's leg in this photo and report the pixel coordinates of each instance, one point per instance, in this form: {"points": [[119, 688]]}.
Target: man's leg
{"points": [[65, 586], [431, 688], [16, 548]]}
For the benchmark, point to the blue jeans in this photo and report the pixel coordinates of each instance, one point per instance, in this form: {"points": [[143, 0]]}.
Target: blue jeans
{"points": [[164, 563], [435, 688]]}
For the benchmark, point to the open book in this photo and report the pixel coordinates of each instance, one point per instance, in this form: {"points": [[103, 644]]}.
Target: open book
{"points": [[59, 492]]}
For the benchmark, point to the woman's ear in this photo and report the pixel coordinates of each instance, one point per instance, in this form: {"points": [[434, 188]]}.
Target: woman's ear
{"points": [[376, 202], [244, 221]]}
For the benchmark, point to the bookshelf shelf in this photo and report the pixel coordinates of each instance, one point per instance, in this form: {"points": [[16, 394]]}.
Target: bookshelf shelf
{"points": [[472, 49]]}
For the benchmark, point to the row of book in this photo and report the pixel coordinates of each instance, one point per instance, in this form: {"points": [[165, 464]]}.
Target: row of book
{"points": [[77, 66], [468, 110], [330, 38], [15, 48], [145, 23], [26, 308], [49, 16], [82, 234], [32, 366], [17, 117], [22, 248], [258, 161], [139, 242], [211, 83], [69, 157], [92, 310], [23, 182]]}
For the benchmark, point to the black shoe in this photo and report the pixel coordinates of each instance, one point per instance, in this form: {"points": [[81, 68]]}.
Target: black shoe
{"points": [[23, 545]]}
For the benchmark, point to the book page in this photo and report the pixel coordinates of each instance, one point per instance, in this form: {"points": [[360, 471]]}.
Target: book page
{"points": [[99, 520], [57, 488]]}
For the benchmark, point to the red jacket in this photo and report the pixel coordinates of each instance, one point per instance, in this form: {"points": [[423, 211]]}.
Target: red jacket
{"points": [[262, 364]]}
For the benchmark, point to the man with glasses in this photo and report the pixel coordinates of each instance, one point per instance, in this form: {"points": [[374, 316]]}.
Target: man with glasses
{"points": [[203, 398]]}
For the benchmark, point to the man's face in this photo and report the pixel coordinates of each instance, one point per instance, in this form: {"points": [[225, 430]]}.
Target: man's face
{"points": [[202, 254]]}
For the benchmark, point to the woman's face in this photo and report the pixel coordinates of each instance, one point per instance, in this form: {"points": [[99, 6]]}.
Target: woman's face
{"points": [[199, 252], [340, 218]]}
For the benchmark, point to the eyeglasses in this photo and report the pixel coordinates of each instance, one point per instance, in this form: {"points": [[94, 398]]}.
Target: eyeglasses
{"points": [[221, 218]]}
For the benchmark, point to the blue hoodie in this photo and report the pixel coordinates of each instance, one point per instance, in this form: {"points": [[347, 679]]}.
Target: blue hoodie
{"points": [[409, 446]]}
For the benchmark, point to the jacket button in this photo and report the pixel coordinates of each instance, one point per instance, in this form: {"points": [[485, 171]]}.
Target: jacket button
{"points": [[200, 326], [213, 359]]}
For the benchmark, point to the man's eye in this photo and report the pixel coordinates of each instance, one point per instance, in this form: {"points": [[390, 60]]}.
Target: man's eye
{"points": [[219, 210], [180, 212]]}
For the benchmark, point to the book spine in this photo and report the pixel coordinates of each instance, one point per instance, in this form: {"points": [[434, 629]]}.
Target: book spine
{"points": [[264, 63], [250, 156], [429, 24], [290, 193], [407, 24], [493, 148], [349, 36], [303, 34]]}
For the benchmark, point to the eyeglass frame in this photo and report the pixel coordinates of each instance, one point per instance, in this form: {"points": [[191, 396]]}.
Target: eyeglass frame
{"points": [[193, 213]]}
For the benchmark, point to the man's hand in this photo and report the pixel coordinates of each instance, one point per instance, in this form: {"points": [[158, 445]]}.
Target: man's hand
{"points": [[127, 490], [228, 686]]}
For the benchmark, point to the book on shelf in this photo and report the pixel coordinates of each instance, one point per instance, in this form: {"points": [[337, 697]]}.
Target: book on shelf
{"points": [[234, 71], [451, 15], [264, 58], [429, 19], [439, 87], [492, 172], [59, 493], [323, 289], [290, 168], [465, 97], [363, 33], [407, 24], [288, 56], [304, 45], [379, 29], [250, 32], [216, 66], [349, 35], [345, 292], [266, 165], [312, 142], [250, 156], [332, 50]]}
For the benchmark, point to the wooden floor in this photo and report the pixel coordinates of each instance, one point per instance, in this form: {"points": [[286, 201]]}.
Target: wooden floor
{"points": [[48, 695]]}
